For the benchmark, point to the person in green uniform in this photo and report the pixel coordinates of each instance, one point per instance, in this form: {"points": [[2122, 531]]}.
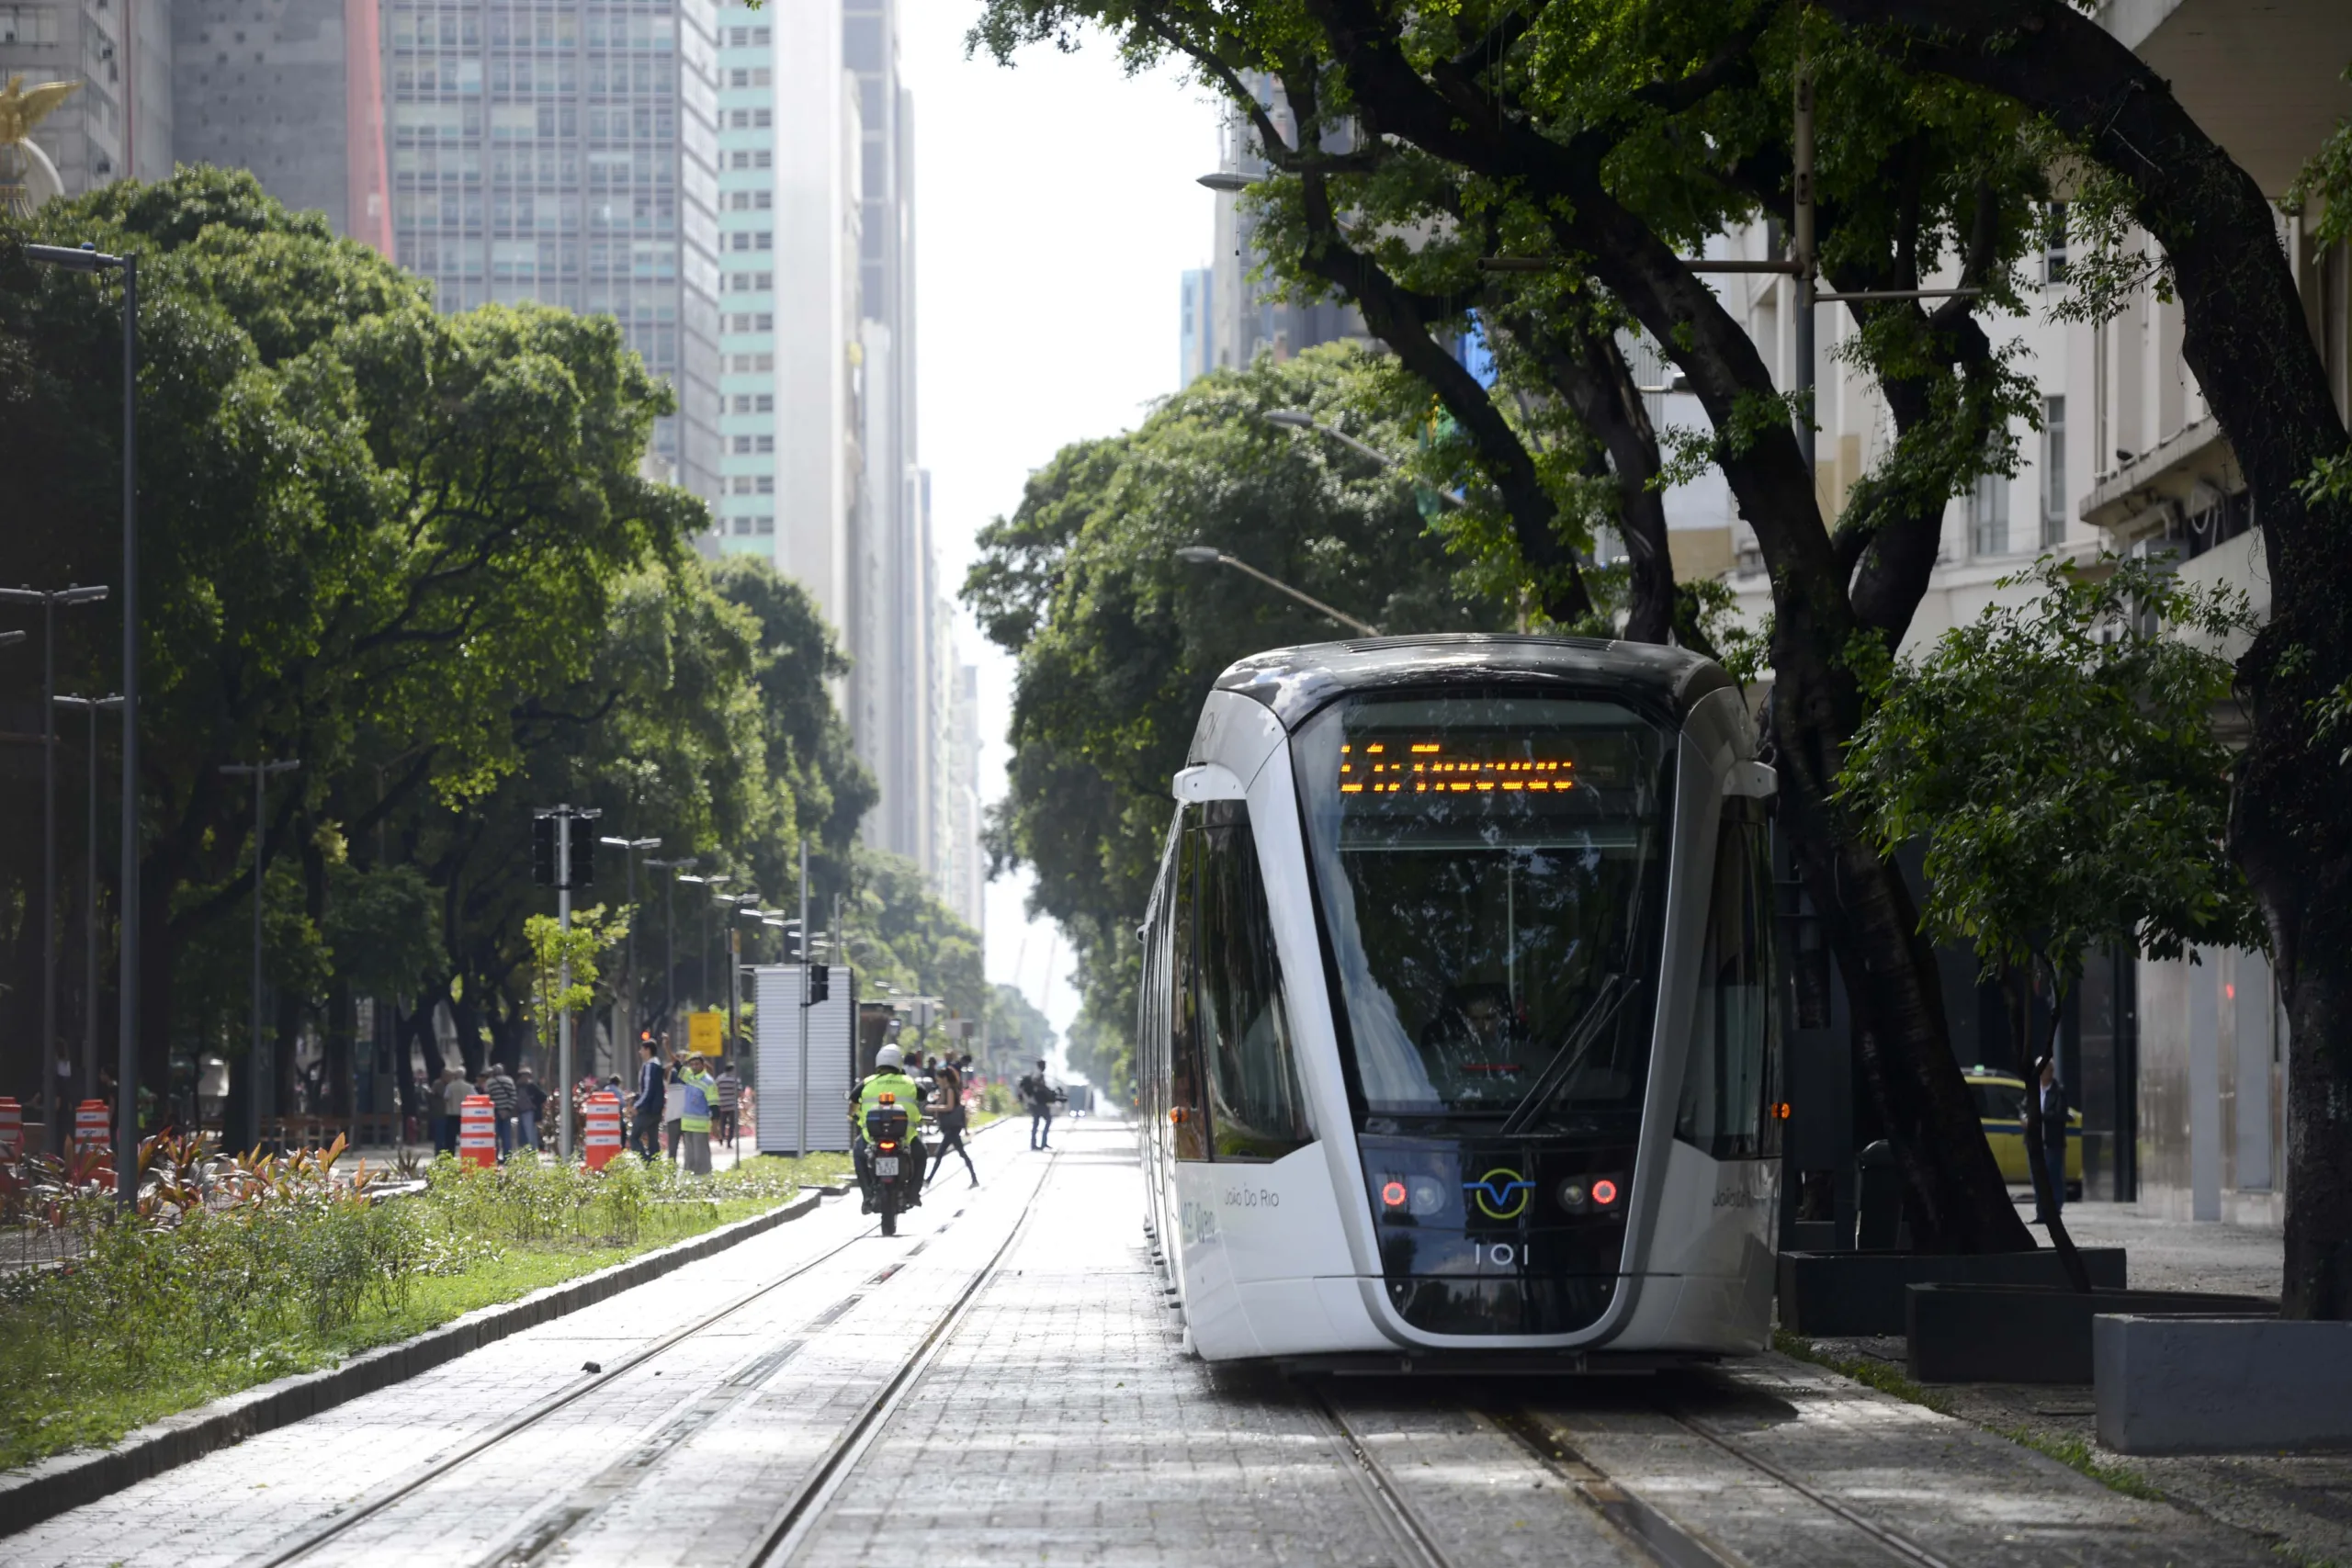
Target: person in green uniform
{"points": [[699, 1088], [889, 1077]]}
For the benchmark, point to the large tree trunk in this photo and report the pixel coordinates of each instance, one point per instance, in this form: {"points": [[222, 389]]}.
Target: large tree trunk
{"points": [[2248, 343], [1958, 1199]]}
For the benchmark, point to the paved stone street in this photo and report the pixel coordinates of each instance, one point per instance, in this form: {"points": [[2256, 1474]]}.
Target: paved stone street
{"points": [[1057, 1421]]}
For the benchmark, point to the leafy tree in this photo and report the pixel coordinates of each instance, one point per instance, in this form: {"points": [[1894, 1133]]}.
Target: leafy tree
{"points": [[2247, 342], [1433, 157], [1119, 641], [565, 964], [895, 934], [1019, 1034], [364, 524], [2057, 759]]}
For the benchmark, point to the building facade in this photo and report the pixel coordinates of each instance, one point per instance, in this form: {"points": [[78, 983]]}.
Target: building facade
{"points": [[1243, 316], [1196, 350], [566, 155], [118, 123], [292, 90]]}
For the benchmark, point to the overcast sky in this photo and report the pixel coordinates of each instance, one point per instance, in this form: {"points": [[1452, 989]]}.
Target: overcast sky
{"points": [[1056, 208]]}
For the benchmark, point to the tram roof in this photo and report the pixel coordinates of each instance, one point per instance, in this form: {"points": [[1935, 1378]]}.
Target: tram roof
{"points": [[1296, 682]]}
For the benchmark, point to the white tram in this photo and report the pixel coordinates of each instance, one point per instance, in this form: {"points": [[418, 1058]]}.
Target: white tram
{"points": [[1459, 1028]]}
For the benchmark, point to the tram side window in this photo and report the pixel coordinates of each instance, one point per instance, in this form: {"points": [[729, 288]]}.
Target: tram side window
{"points": [[1187, 1107], [1730, 1077], [1256, 1111]]}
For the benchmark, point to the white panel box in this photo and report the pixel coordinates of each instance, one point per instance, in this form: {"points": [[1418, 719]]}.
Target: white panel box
{"points": [[832, 1060]]}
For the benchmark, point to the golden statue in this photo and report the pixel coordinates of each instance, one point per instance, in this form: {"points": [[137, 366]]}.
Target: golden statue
{"points": [[22, 163]]}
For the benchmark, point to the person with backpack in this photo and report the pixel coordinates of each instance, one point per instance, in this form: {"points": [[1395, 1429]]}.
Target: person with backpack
{"points": [[1038, 1093]]}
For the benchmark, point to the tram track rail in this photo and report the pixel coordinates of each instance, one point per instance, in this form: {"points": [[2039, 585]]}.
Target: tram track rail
{"points": [[537, 1540], [1650, 1530]]}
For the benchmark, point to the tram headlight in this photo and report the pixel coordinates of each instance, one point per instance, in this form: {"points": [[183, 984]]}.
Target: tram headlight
{"points": [[1575, 1194], [1392, 1194], [1604, 1193], [1427, 1196]]}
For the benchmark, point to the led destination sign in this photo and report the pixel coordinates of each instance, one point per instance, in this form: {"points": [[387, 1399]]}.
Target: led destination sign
{"points": [[1429, 767]]}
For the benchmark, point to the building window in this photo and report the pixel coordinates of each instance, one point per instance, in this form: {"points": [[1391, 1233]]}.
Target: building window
{"points": [[767, 484], [762, 524], [33, 24], [742, 524], [2053, 471], [1988, 516], [761, 37], [2054, 255], [739, 77]]}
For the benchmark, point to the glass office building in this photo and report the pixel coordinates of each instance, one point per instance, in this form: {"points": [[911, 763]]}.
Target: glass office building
{"points": [[563, 155]]}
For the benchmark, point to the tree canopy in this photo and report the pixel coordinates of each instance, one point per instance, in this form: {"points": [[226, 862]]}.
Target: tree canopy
{"points": [[1119, 640]]}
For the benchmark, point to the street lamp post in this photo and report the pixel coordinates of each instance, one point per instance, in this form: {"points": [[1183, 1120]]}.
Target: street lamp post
{"points": [[676, 868], [48, 600], [1208, 555], [89, 258], [628, 847], [90, 896], [261, 771], [702, 994]]}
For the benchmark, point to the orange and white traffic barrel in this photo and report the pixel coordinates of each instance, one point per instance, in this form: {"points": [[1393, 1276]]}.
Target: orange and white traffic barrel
{"points": [[91, 1134], [478, 1132], [603, 1134]]}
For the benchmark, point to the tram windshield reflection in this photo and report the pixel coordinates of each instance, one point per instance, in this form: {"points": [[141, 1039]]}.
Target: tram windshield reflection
{"points": [[1489, 866]]}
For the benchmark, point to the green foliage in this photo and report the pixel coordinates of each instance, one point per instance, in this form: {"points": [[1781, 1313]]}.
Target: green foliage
{"points": [[1019, 1034], [899, 934], [1119, 641], [2058, 758], [579, 951], [232, 1272], [417, 551]]}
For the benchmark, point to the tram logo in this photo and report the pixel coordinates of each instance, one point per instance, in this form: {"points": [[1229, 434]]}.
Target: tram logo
{"points": [[1502, 1193]]}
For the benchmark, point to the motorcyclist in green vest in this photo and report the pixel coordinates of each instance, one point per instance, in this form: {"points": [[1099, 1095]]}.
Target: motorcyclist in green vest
{"points": [[889, 1077]]}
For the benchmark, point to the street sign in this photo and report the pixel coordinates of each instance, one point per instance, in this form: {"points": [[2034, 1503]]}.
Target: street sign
{"points": [[705, 1032]]}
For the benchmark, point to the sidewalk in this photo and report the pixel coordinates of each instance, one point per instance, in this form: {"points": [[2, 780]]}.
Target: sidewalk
{"points": [[2301, 1505]]}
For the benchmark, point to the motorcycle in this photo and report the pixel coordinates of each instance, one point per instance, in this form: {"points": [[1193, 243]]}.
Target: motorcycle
{"points": [[894, 1163]]}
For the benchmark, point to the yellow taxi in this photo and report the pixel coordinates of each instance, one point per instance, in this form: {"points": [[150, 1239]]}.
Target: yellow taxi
{"points": [[2000, 1104]]}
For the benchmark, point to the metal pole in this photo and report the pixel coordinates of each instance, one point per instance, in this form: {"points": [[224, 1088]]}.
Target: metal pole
{"points": [[562, 984], [48, 865], [670, 948], [808, 955], [126, 1049], [636, 1006], [734, 985], [254, 1059], [90, 923], [1802, 241]]}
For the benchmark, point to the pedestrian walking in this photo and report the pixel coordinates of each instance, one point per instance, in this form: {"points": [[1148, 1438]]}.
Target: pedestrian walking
{"points": [[530, 1103], [953, 1119], [730, 1101], [1038, 1093], [2052, 1155], [696, 1090], [645, 1131], [453, 1091], [500, 1086]]}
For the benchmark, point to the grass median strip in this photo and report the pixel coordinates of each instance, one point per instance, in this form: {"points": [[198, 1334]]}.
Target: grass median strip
{"points": [[235, 1272]]}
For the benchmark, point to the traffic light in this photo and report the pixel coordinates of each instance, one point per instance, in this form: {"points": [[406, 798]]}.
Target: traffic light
{"points": [[582, 872], [543, 851], [820, 983]]}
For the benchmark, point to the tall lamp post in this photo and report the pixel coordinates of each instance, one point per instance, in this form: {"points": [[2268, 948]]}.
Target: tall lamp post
{"points": [[48, 600], [628, 847], [89, 258], [261, 772], [90, 896], [676, 868], [1208, 555], [713, 881]]}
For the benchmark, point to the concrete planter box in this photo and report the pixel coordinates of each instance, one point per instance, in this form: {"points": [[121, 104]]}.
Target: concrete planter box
{"points": [[2026, 1334], [1862, 1293], [2207, 1386]]}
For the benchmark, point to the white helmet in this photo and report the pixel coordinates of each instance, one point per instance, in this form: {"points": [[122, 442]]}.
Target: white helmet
{"points": [[889, 1059]]}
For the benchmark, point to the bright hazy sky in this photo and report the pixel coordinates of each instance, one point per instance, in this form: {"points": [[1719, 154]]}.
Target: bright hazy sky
{"points": [[1055, 209]]}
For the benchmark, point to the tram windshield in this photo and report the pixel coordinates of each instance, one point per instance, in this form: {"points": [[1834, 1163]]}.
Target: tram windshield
{"points": [[1490, 869]]}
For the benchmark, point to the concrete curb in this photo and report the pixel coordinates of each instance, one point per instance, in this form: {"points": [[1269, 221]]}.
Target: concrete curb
{"points": [[64, 1481]]}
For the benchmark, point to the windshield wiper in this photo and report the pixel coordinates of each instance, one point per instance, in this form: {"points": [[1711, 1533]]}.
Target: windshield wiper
{"points": [[1613, 992]]}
